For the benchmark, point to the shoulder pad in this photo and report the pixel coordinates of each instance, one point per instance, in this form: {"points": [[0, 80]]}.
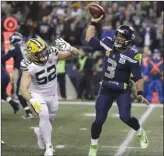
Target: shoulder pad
{"points": [[107, 43], [11, 47], [25, 64], [107, 38], [53, 50], [133, 50], [134, 54]]}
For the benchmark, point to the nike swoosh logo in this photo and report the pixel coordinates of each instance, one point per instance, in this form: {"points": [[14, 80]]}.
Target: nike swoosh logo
{"points": [[145, 141]]}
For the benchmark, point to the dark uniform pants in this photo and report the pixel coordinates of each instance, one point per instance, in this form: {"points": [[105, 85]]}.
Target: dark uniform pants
{"points": [[5, 79], [103, 104]]}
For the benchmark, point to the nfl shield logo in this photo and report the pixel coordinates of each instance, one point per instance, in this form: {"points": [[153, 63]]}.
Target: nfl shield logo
{"points": [[107, 53]]}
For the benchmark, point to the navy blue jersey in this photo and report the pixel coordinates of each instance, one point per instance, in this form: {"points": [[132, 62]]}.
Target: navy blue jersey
{"points": [[118, 66], [14, 52]]}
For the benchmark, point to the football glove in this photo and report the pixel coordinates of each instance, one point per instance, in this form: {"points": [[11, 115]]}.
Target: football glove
{"points": [[62, 45], [141, 99], [36, 105], [133, 89]]}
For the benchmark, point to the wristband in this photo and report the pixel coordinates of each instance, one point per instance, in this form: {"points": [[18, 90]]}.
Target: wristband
{"points": [[70, 49], [32, 100], [94, 24], [139, 93]]}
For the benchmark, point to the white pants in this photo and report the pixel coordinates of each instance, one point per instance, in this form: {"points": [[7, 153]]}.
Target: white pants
{"points": [[49, 107], [49, 104]]}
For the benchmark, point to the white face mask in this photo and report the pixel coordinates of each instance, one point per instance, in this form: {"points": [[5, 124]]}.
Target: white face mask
{"points": [[117, 45], [43, 55], [43, 59], [119, 41]]}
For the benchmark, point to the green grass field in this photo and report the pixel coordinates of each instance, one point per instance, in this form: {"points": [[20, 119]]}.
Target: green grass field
{"points": [[72, 130]]}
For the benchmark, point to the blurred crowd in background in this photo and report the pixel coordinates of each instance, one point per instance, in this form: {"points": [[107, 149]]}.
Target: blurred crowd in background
{"points": [[69, 20]]}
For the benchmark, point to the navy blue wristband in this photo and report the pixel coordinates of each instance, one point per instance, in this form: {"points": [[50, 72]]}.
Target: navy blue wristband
{"points": [[139, 93], [94, 24]]}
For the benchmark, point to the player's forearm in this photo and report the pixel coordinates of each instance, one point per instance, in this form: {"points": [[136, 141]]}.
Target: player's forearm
{"points": [[64, 55], [26, 94], [91, 32], [139, 85], [74, 51], [25, 85]]}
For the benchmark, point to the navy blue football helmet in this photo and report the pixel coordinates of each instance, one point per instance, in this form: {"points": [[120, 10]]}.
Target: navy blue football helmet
{"points": [[124, 36], [15, 38]]}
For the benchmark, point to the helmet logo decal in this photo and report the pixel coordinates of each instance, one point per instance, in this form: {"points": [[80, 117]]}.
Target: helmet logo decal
{"points": [[29, 48]]}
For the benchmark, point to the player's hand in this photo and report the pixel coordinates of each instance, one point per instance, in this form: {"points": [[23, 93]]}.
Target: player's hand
{"points": [[141, 99], [125, 85], [97, 19], [36, 105], [62, 45]]}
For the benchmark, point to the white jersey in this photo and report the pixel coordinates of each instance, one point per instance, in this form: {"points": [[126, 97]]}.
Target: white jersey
{"points": [[44, 78]]}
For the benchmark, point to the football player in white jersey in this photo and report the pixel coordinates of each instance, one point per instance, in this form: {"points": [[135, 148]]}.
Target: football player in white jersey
{"points": [[39, 84]]}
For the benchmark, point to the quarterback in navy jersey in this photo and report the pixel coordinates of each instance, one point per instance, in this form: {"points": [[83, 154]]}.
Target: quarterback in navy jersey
{"points": [[120, 62]]}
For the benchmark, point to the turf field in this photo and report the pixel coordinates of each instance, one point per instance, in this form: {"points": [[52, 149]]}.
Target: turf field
{"points": [[71, 132]]}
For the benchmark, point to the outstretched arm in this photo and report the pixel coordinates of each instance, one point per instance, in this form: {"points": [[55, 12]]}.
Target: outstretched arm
{"points": [[91, 30], [91, 35], [65, 50], [9, 55], [64, 55]]}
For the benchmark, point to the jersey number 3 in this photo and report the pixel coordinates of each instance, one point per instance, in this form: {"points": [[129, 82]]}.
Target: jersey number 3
{"points": [[111, 69], [43, 80]]}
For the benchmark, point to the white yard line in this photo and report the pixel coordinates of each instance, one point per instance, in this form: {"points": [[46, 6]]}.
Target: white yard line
{"points": [[93, 103], [131, 133], [60, 146]]}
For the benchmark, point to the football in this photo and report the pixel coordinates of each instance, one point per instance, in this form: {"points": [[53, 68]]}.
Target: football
{"points": [[96, 11]]}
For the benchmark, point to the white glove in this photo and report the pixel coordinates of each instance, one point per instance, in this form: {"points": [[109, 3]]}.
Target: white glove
{"points": [[141, 99], [62, 45], [133, 89], [36, 105]]}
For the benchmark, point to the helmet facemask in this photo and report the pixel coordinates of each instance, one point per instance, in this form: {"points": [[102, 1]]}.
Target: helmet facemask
{"points": [[124, 36], [42, 56], [121, 41]]}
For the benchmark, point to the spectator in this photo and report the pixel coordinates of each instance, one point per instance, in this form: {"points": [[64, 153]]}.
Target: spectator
{"points": [[153, 71], [45, 29], [61, 71], [145, 59], [148, 36], [86, 72], [68, 20], [72, 71]]}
